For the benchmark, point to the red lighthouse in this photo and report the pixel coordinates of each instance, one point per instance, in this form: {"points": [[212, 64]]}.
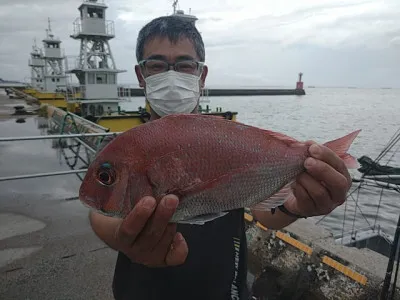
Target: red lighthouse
{"points": [[299, 84]]}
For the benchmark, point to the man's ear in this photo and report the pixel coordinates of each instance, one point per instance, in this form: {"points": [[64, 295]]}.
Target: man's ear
{"points": [[139, 77], [203, 76]]}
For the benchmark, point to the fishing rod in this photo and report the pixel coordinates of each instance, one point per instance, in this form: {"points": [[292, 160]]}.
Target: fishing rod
{"points": [[392, 142]]}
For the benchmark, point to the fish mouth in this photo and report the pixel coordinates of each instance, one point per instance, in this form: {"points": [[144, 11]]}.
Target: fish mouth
{"points": [[87, 200], [90, 204]]}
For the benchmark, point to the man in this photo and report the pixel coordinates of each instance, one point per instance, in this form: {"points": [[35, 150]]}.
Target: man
{"points": [[158, 260]]}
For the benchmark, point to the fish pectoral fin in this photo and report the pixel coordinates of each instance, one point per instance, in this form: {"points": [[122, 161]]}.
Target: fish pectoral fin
{"points": [[209, 184], [202, 219], [276, 199]]}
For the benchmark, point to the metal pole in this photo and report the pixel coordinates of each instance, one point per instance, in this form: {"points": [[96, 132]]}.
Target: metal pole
{"points": [[85, 145], [389, 270], [391, 297], [42, 174], [55, 136]]}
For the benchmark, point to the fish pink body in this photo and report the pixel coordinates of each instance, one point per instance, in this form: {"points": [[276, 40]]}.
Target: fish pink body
{"points": [[212, 164]]}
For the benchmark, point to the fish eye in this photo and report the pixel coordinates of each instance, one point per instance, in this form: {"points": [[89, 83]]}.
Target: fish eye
{"points": [[106, 175]]}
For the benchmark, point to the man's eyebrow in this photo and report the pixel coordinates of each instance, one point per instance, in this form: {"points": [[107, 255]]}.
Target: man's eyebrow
{"points": [[157, 56], [163, 57], [185, 57]]}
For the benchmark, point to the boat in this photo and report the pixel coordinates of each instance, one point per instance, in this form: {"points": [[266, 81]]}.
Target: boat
{"points": [[97, 96], [371, 169]]}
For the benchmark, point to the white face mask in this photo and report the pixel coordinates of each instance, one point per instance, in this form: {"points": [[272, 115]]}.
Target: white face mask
{"points": [[172, 92]]}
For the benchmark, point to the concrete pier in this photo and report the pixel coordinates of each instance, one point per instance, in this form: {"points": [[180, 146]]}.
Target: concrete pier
{"points": [[47, 249], [303, 262]]}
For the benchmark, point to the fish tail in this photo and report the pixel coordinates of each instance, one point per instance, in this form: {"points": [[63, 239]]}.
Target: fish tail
{"points": [[341, 145]]}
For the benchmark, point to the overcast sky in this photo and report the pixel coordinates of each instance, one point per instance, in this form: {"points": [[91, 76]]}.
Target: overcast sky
{"points": [[248, 43]]}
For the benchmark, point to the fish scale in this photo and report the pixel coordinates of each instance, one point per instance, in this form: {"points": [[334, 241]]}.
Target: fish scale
{"points": [[243, 190], [213, 165]]}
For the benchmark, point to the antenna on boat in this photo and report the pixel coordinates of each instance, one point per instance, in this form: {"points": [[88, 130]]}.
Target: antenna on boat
{"points": [[49, 22], [48, 30], [174, 5]]}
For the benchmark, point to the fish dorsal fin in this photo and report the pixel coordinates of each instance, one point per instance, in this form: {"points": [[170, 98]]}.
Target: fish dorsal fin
{"points": [[276, 199], [282, 137], [191, 116]]}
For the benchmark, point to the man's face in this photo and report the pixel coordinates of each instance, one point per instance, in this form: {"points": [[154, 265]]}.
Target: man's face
{"points": [[163, 49]]}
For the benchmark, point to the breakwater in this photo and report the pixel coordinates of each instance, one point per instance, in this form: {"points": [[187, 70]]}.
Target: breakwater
{"points": [[138, 92]]}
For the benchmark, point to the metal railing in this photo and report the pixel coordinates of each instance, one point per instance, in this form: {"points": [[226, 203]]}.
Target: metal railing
{"points": [[56, 136], [72, 62], [80, 27], [75, 92], [82, 125], [67, 126], [204, 96], [36, 62]]}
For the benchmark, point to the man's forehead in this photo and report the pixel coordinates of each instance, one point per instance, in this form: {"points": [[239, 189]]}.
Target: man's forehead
{"points": [[162, 47]]}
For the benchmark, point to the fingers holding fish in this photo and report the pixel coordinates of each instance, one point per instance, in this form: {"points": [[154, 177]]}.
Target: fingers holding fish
{"points": [[323, 153], [310, 142], [330, 170], [147, 237], [333, 181], [326, 181], [157, 256], [178, 251], [134, 223], [156, 225], [312, 197]]}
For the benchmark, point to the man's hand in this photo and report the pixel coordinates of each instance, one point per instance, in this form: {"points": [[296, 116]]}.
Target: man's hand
{"points": [[150, 239], [323, 187]]}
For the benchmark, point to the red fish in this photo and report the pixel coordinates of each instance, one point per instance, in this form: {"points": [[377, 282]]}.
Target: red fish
{"points": [[212, 164]]}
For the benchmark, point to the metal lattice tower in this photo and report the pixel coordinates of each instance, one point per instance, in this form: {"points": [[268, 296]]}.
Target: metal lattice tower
{"points": [[54, 71], [95, 67], [37, 63]]}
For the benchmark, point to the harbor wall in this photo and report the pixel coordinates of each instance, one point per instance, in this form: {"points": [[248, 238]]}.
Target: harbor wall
{"points": [[138, 92], [304, 262]]}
